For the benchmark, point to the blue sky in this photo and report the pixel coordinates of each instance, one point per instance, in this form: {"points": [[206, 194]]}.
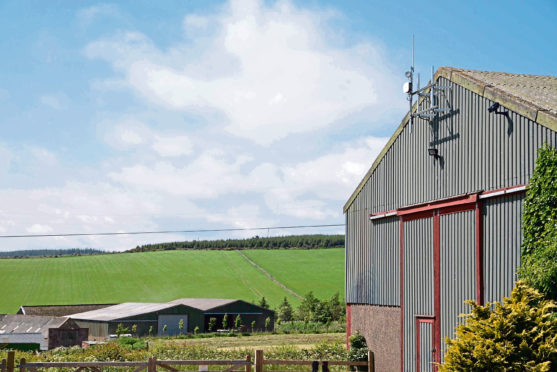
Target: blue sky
{"points": [[141, 115]]}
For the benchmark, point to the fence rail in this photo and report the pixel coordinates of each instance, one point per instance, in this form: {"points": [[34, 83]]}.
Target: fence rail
{"points": [[151, 365]]}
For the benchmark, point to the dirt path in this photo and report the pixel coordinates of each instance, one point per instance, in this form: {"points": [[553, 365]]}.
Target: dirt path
{"points": [[269, 275]]}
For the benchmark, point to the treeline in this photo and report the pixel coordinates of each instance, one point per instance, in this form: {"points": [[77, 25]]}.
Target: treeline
{"points": [[50, 252], [311, 309], [280, 242]]}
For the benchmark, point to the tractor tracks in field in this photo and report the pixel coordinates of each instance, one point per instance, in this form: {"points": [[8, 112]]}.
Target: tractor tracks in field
{"points": [[268, 275]]}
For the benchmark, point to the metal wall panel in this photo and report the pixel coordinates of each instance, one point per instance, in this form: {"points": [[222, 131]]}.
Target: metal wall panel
{"points": [[458, 269], [426, 347], [385, 261], [418, 281], [479, 151], [502, 239]]}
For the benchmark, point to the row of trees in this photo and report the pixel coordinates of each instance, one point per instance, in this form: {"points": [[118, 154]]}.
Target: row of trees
{"points": [[279, 242], [50, 252], [311, 309]]}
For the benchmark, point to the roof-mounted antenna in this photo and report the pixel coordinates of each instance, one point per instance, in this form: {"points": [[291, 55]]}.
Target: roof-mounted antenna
{"points": [[431, 95], [407, 88]]}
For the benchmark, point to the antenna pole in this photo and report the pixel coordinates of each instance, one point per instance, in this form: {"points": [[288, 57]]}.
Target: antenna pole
{"points": [[411, 93]]}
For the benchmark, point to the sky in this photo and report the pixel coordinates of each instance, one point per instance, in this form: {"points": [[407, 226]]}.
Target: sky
{"points": [[180, 115]]}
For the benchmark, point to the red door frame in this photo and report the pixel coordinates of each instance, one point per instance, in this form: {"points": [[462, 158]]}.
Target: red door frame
{"points": [[424, 319], [461, 203]]}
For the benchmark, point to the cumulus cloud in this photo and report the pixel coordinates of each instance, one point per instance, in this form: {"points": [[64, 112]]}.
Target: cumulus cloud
{"points": [[131, 133], [39, 229], [268, 69]]}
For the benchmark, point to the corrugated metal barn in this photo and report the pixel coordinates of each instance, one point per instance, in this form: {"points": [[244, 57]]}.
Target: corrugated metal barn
{"points": [[194, 312], [40, 332], [437, 218]]}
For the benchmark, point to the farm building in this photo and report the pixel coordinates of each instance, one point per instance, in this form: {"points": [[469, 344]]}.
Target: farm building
{"points": [[437, 218], [58, 310], [40, 332], [194, 312]]}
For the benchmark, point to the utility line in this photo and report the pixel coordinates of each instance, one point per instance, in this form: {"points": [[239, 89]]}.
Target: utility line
{"points": [[169, 231]]}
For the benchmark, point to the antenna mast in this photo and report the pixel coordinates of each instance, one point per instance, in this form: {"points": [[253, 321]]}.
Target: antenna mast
{"points": [[433, 97]]}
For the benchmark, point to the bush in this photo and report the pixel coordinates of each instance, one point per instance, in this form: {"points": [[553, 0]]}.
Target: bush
{"points": [[519, 335], [539, 224], [358, 350]]}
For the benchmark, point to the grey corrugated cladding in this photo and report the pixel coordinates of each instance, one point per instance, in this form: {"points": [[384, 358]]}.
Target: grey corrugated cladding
{"points": [[480, 151], [502, 240], [418, 278], [458, 268]]}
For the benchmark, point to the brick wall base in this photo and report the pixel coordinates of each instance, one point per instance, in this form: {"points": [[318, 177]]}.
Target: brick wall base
{"points": [[381, 327]]}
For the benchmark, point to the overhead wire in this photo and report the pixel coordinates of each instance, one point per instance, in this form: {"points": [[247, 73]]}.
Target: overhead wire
{"points": [[171, 231]]}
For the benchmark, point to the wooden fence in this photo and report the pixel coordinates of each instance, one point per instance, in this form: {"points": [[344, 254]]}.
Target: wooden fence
{"points": [[151, 365]]}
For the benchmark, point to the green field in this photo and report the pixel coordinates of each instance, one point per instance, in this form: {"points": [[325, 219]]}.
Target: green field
{"points": [[167, 275]]}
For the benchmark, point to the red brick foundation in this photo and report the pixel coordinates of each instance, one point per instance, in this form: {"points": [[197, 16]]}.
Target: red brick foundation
{"points": [[381, 327]]}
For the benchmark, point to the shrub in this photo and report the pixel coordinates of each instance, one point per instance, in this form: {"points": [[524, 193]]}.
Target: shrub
{"points": [[358, 350], [539, 224], [225, 321], [238, 321], [212, 324], [519, 335]]}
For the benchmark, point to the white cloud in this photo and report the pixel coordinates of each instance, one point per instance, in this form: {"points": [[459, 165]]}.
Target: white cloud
{"points": [[269, 69], [172, 146], [39, 229], [57, 101]]}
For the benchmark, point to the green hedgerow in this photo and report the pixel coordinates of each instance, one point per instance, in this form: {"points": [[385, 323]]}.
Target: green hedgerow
{"points": [[518, 335]]}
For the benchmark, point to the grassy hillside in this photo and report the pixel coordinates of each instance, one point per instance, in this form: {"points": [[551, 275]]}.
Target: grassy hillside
{"points": [[167, 275], [324, 268]]}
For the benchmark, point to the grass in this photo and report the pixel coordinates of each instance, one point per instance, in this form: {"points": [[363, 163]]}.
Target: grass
{"points": [[167, 275], [294, 267], [264, 342]]}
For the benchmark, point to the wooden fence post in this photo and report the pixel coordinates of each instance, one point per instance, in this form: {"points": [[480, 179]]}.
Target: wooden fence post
{"points": [[325, 366], [315, 366], [3, 365], [11, 361], [152, 364], [248, 366], [258, 360], [22, 365], [370, 361]]}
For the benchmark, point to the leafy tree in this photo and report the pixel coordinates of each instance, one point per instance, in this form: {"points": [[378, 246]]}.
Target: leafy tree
{"points": [[225, 321], [181, 325], [164, 328], [268, 324], [212, 324], [238, 321], [539, 223], [307, 307], [263, 303], [518, 335], [252, 325], [196, 330], [150, 330], [134, 329], [285, 311], [120, 329]]}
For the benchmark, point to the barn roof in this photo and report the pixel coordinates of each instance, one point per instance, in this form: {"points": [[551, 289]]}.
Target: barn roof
{"points": [[128, 309], [532, 96], [17, 323], [203, 304], [124, 310], [59, 310]]}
